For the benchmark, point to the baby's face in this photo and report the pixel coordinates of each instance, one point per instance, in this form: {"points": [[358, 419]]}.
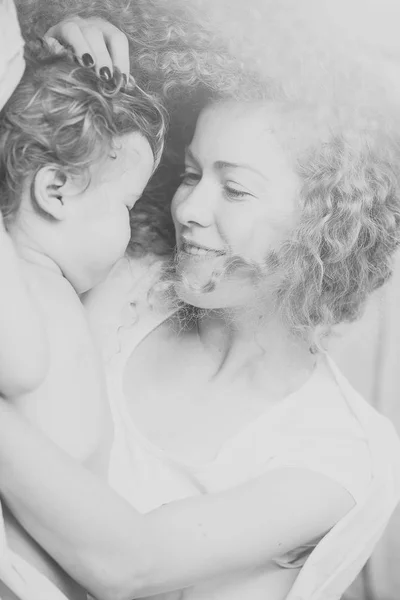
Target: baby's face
{"points": [[99, 223]]}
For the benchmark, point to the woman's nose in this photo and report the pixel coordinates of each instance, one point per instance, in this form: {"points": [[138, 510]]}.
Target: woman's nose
{"points": [[195, 205]]}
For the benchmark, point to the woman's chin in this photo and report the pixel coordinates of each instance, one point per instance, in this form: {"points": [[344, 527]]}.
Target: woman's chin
{"points": [[211, 283], [226, 294], [199, 270]]}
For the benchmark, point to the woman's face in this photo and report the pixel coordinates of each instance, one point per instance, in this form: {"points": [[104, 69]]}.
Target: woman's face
{"points": [[237, 200]]}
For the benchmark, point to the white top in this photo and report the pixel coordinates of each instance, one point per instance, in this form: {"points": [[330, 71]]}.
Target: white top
{"points": [[325, 426]]}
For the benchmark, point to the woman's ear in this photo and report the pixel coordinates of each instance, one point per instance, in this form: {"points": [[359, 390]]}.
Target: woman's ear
{"points": [[49, 191]]}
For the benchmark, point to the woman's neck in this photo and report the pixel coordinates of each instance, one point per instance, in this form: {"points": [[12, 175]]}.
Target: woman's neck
{"points": [[256, 344]]}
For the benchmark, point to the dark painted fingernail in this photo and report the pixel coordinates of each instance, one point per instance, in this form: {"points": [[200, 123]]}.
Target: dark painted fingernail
{"points": [[105, 73], [87, 60]]}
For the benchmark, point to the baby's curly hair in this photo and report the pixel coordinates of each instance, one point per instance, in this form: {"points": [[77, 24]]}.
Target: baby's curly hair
{"points": [[63, 114]]}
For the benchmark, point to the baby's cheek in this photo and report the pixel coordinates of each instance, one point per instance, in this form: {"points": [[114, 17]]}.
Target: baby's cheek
{"points": [[124, 228], [115, 236]]}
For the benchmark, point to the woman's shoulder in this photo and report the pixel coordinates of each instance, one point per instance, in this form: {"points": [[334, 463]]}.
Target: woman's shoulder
{"points": [[315, 429], [329, 401], [331, 429], [331, 410], [322, 404]]}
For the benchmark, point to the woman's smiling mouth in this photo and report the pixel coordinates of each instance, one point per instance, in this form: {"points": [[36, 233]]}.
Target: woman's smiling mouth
{"points": [[194, 249]]}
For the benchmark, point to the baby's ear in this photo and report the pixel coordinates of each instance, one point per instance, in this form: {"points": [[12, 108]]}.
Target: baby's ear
{"points": [[50, 191]]}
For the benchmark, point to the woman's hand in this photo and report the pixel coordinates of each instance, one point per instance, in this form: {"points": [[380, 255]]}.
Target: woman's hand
{"points": [[96, 43]]}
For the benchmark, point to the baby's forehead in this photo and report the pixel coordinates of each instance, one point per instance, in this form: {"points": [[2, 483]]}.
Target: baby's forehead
{"points": [[132, 148], [129, 156]]}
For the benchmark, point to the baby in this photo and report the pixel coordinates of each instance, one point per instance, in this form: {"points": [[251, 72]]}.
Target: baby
{"points": [[75, 155]]}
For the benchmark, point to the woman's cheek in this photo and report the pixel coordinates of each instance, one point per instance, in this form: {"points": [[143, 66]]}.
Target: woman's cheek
{"points": [[177, 201], [173, 208]]}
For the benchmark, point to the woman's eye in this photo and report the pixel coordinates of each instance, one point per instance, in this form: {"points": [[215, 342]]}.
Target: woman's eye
{"points": [[235, 193], [190, 178]]}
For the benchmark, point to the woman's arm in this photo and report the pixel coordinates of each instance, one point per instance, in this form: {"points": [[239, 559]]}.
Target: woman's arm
{"points": [[117, 553]]}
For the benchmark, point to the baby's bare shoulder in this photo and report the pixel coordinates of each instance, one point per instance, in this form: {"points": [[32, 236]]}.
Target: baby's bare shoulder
{"points": [[71, 404]]}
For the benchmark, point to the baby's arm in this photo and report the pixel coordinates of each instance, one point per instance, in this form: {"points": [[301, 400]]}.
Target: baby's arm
{"points": [[23, 345], [71, 405], [23, 356]]}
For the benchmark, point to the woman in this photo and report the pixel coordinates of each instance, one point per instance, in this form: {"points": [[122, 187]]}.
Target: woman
{"points": [[240, 448]]}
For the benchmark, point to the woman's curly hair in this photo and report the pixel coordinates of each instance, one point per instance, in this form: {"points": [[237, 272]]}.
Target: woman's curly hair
{"points": [[63, 114], [350, 217], [349, 229]]}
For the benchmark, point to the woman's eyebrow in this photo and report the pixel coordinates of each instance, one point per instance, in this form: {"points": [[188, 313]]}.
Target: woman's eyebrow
{"points": [[221, 164]]}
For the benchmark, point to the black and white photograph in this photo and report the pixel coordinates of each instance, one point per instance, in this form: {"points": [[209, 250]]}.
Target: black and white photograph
{"points": [[199, 299]]}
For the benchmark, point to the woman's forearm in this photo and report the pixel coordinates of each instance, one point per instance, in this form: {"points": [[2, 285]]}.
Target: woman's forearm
{"points": [[103, 552]]}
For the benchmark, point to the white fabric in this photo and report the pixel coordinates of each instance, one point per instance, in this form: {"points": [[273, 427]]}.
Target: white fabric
{"points": [[368, 352], [326, 426], [11, 51]]}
